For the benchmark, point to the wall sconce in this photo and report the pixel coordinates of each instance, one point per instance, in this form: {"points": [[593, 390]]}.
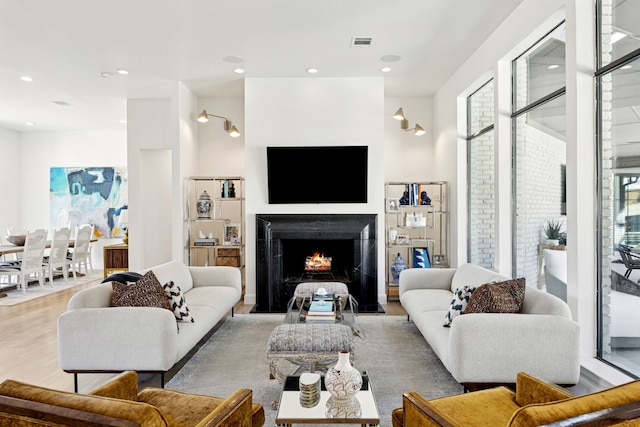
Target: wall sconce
{"points": [[230, 128], [404, 123]]}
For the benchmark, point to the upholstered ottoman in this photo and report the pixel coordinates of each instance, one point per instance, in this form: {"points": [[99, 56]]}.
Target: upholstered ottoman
{"points": [[307, 289], [311, 346]]}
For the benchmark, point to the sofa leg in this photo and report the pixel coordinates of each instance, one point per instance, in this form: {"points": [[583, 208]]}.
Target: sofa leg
{"points": [[161, 379], [231, 311], [75, 382]]}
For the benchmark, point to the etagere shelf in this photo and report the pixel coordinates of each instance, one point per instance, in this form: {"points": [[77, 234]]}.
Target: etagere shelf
{"points": [[415, 227], [215, 222]]}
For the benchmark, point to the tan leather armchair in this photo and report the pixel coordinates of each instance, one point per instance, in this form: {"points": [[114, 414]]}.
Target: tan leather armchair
{"points": [[534, 403]]}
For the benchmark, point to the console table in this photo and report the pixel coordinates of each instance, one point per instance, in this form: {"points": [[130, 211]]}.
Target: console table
{"points": [[116, 258]]}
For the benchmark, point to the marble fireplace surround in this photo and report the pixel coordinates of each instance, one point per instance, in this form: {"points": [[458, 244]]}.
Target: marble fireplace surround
{"points": [[353, 237]]}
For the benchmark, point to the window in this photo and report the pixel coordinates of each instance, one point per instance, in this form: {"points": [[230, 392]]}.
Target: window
{"points": [[539, 150], [618, 107], [481, 177]]}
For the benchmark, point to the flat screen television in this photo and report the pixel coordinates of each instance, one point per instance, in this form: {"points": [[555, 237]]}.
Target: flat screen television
{"points": [[331, 174]]}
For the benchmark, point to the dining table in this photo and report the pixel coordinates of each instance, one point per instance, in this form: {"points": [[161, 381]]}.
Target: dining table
{"points": [[15, 249]]}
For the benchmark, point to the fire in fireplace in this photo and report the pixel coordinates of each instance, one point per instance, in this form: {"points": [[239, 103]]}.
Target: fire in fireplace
{"points": [[317, 262]]}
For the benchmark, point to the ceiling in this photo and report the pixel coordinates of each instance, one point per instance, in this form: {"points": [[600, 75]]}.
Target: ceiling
{"points": [[65, 45]]}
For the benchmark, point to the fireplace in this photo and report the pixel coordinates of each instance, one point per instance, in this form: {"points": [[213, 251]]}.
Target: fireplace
{"points": [[287, 244]]}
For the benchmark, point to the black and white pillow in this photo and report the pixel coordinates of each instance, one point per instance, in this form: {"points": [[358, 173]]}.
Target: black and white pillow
{"points": [[177, 302], [458, 303]]}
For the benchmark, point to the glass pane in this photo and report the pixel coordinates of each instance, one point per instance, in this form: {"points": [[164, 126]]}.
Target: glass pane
{"points": [[482, 201], [481, 108], [541, 70], [540, 159], [619, 29], [620, 216]]}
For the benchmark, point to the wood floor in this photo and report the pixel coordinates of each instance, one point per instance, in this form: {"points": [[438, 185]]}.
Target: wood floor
{"points": [[28, 349]]}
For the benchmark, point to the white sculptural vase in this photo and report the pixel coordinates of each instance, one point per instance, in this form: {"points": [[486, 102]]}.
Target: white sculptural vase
{"points": [[343, 381]]}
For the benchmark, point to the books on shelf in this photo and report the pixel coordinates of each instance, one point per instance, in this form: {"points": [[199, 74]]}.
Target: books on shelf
{"points": [[414, 196]]}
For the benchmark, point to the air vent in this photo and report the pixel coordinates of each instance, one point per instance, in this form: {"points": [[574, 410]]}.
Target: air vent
{"points": [[361, 41]]}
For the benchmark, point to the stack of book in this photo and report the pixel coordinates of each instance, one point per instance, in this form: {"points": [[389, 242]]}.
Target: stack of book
{"points": [[321, 311]]}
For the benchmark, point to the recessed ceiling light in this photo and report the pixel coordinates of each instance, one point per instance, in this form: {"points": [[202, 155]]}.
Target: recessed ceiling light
{"points": [[553, 67], [626, 67], [238, 71], [123, 72], [62, 103], [385, 69], [105, 74], [26, 78], [233, 59], [390, 58], [30, 123], [123, 121], [312, 70]]}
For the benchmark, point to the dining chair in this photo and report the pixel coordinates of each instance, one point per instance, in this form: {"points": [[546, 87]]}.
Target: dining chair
{"points": [[57, 258], [31, 261], [79, 256]]}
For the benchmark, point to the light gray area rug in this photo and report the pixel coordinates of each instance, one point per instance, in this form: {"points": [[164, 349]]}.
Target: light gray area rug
{"points": [[16, 296], [392, 351]]}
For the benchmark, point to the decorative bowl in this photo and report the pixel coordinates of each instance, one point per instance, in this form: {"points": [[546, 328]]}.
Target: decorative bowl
{"points": [[17, 239]]}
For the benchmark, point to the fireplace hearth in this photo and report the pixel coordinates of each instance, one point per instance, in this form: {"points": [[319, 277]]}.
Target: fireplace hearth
{"points": [[287, 244]]}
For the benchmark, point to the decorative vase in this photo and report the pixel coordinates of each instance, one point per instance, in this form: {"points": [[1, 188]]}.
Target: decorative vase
{"points": [[343, 381], [393, 235], [204, 205], [397, 267]]}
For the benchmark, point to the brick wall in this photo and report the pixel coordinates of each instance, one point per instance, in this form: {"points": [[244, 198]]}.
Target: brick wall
{"points": [[481, 231], [606, 179]]}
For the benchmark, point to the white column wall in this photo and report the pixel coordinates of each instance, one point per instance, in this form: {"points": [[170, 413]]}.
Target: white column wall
{"points": [[311, 111], [39, 151]]}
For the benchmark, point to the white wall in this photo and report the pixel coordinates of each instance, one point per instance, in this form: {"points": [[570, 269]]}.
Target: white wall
{"points": [[526, 25], [9, 176], [218, 153], [149, 127], [407, 157], [39, 151], [311, 111]]}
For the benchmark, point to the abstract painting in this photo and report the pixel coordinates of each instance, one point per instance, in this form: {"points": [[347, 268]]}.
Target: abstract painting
{"points": [[91, 195]]}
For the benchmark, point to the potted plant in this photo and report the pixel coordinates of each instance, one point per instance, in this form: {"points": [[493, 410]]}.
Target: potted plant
{"points": [[553, 232]]}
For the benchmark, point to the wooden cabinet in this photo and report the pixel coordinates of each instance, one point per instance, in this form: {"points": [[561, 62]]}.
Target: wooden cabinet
{"points": [[116, 258], [215, 222], [415, 227]]}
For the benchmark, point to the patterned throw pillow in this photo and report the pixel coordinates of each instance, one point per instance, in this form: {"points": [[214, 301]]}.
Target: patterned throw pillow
{"points": [[146, 292], [498, 297], [177, 302], [458, 303]]}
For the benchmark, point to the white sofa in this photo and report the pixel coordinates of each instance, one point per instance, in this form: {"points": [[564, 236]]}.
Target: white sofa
{"points": [[95, 337], [491, 348]]}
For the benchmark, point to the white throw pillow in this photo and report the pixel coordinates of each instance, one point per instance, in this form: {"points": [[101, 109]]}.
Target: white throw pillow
{"points": [[458, 303], [177, 302]]}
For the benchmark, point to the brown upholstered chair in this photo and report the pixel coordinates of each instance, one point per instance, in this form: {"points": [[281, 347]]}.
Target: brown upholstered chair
{"points": [[534, 403], [118, 403]]}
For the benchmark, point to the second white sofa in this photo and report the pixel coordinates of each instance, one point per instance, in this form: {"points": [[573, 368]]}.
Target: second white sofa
{"points": [[95, 337], [491, 348]]}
